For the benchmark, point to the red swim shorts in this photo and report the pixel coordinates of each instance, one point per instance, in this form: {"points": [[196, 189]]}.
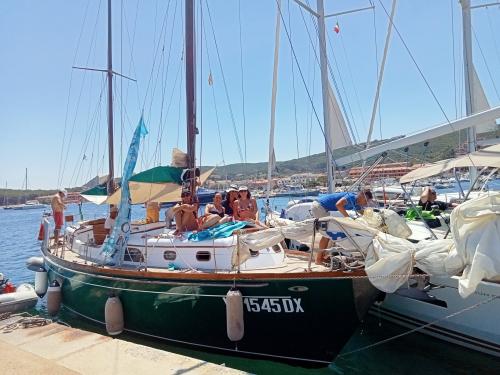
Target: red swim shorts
{"points": [[58, 219]]}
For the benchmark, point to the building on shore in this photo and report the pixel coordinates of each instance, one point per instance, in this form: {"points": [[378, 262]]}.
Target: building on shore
{"points": [[383, 171]]}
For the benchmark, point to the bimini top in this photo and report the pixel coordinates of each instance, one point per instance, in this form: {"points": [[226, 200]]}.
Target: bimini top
{"points": [[487, 157]]}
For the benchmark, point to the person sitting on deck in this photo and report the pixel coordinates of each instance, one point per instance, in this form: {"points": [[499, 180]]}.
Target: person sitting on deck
{"points": [[231, 196], [58, 207], [214, 213], [428, 198], [245, 208], [340, 202], [110, 220], [185, 213]]}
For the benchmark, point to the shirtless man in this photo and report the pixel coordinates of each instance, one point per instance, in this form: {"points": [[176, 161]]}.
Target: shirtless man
{"points": [[185, 214], [58, 207]]}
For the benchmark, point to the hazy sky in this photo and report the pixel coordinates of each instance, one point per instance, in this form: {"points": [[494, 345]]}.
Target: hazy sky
{"points": [[53, 117]]}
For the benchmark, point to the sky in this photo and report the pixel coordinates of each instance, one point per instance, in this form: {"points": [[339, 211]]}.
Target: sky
{"points": [[53, 117]]}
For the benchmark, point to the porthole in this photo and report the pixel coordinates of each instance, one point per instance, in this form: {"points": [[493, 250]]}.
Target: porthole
{"points": [[203, 256], [133, 254], [169, 255], [277, 248]]}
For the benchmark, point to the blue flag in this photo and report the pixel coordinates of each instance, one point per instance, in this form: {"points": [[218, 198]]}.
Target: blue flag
{"points": [[116, 243]]}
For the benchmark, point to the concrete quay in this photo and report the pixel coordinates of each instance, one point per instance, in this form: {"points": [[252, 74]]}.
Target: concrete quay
{"points": [[56, 349]]}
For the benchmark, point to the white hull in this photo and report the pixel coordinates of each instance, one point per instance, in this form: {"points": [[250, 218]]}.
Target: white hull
{"points": [[24, 298], [476, 328]]}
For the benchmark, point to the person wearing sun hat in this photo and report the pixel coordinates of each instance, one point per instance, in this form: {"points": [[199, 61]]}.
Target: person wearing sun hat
{"points": [[231, 196]]}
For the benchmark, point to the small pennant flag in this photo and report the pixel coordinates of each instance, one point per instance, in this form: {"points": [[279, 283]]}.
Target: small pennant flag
{"points": [[336, 28], [210, 79]]}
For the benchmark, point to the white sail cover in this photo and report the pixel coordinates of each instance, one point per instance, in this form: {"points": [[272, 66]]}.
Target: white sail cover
{"points": [[487, 157], [473, 250], [339, 135], [389, 260]]}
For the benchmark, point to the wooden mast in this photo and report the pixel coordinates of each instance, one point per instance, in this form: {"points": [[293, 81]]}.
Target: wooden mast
{"points": [[111, 185], [191, 91]]}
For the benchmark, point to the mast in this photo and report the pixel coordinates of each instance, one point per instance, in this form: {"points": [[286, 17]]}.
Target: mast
{"points": [[381, 74], [324, 84], [191, 90], [26, 179], [272, 158], [468, 72], [111, 186]]}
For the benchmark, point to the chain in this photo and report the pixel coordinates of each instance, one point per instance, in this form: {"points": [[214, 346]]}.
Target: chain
{"points": [[25, 322]]}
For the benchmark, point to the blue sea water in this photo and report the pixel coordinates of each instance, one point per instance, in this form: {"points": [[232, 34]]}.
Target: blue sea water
{"points": [[411, 354]]}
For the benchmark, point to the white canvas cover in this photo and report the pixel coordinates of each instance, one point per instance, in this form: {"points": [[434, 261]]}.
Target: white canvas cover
{"points": [[487, 157]]}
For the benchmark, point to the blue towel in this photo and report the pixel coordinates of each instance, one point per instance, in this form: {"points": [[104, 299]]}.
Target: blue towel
{"points": [[219, 231]]}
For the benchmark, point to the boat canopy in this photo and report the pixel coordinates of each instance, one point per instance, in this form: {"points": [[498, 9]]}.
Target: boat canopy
{"points": [[158, 184], [487, 157]]}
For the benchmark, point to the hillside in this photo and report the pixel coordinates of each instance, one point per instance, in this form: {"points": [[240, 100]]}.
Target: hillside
{"points": [[437, 149]]}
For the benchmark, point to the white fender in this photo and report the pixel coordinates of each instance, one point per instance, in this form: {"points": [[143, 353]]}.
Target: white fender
{"points": [[54, 297], [234, 315], [113, 315], [41, 282]]}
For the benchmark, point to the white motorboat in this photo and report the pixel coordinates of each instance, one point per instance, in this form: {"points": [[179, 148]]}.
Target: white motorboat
{"points": [[29, 205], [14, 299]]}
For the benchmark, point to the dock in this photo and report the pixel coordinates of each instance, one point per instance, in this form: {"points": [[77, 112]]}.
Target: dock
{"points": [[57, 349]]}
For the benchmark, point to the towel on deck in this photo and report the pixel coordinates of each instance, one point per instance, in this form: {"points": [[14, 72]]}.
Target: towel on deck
{"points": [[219, 231]]}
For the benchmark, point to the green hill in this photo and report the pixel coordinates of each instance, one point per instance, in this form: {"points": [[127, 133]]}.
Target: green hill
{"points": [[443, 147]]}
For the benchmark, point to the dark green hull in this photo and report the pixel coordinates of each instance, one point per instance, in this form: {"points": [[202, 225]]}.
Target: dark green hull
{"points": [[306, 320]]}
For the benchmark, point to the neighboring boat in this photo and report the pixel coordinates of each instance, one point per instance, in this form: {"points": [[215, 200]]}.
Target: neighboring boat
{"points": [[29, 205], [13, 300], [176, 287], [295, 191]]}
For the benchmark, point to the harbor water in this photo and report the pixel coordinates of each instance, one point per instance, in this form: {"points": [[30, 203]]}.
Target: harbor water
{"points": [[414, 353]]}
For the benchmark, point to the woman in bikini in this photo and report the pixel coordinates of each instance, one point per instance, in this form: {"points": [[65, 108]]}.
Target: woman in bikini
{"points": [[216, 208], [245, 208]]}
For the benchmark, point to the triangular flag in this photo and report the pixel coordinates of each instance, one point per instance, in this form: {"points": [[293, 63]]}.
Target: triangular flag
{"points": [[336, 28]]}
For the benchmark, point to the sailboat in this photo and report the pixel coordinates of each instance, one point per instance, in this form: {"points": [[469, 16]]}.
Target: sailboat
{"points": [[435, 306], [181, 288], [29, 204]]}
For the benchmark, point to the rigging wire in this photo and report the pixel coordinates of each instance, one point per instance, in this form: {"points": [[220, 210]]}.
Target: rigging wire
{"points": [[225, 85], [60, 172], [492, 34], [416, 64], [337, 115], [327, 141], [293, 89], [204, 35], [242, 86], [454, 60], [200, 10], [377, 67], [486, 63], [161, 126], [92, 45]]}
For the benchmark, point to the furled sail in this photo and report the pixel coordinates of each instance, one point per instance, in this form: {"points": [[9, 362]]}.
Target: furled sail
{"points": [[480, 103], [339, 135], [117, 241]]}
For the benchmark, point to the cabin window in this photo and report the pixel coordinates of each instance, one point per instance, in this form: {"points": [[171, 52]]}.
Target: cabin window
{"points": [[133, 255], [277, 248], [169, 255], [203, 256], [254, 253]]}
